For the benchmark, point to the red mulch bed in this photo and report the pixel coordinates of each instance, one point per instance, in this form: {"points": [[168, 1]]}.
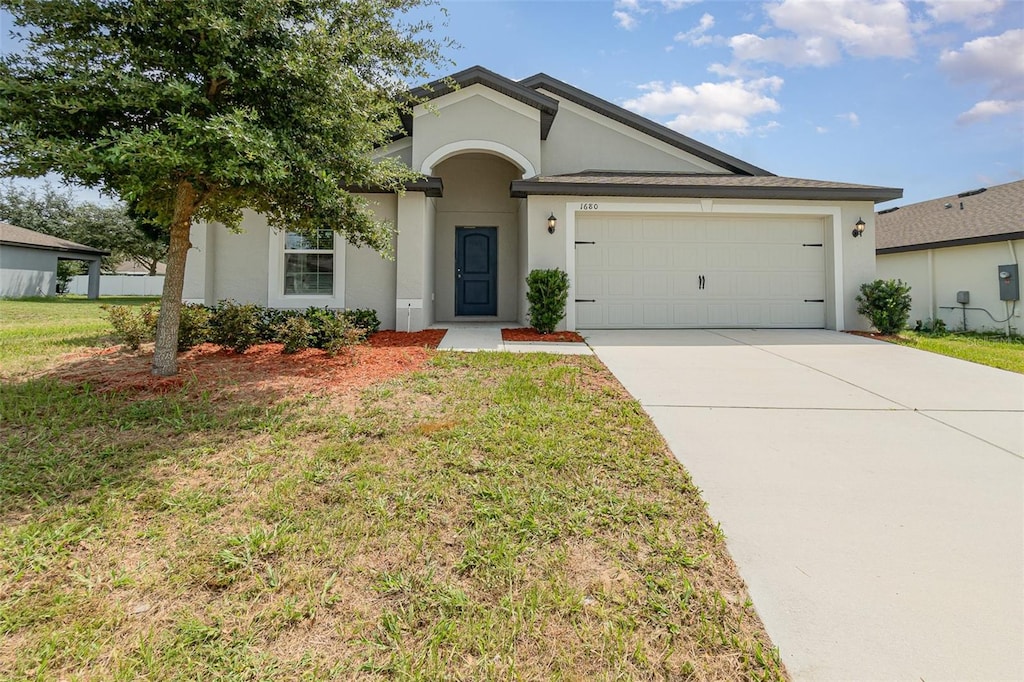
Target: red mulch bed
{"points": [[531, 334], [262, 368]]}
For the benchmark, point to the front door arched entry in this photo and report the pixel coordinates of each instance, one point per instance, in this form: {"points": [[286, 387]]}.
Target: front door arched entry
{"points": [[476, 271]]}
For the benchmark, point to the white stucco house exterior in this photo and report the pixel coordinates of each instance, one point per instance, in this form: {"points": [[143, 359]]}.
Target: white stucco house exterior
{"points": [[953, 244], [655, 229]]}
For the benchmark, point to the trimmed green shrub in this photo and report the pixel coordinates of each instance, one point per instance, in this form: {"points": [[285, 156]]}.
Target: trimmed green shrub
{"points": [[886, 303], [236, 326], [296, 333], [363, 318], [340, 335], [194, 327], [269, 319], [132, 325], [547, 292]]}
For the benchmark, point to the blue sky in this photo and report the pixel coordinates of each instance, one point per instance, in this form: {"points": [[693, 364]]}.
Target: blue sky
{"points": [[924, 95], [927, 96]]}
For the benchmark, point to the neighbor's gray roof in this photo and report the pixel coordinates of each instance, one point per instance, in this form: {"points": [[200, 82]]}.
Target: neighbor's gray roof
{"points": [[20, 236], [710, 186], [973, 217]]}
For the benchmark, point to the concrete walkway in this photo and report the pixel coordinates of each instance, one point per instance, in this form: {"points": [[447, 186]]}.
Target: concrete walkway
{"points": [[872, 495], [479, 336]]}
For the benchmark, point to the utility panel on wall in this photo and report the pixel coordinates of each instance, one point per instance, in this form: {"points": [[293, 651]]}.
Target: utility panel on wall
{"points": [[1009, 283]]}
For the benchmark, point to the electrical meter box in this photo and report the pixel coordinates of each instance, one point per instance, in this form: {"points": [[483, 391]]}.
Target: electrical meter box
{"points": [[963, 297], [1009, 283]]}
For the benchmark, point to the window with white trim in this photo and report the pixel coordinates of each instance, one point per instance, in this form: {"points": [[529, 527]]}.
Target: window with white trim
{"points": [[309, 263]]}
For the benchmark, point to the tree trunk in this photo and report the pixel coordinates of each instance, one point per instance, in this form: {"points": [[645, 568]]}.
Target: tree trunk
{"points": [[165, 356]]}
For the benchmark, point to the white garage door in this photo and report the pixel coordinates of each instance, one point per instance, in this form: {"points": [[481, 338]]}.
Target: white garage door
{"points": [[680, 271]]}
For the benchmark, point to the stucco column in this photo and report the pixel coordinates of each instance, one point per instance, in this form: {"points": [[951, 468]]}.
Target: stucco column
{"points": [[410, 256], [94, 278]]}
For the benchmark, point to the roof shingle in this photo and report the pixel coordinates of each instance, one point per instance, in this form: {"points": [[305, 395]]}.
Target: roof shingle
{"points": [[659, 184], [20, 236], [995, 214]]}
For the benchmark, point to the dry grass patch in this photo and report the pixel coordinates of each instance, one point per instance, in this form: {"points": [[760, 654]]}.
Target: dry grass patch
{"points": [[490, 516]]}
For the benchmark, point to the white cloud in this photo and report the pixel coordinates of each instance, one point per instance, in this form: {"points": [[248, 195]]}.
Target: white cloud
{"points": [[673, 5], [982, 111], [696, 35], [625, 20], [850, 117], [813, 51], [821, 130], [628, 12], [818, 32], [974, 14], [726, 107], [997, 61]]}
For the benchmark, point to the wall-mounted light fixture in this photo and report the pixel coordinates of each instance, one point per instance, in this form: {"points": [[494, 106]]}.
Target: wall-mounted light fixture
{"points": [[552, 223], [858, 227]]}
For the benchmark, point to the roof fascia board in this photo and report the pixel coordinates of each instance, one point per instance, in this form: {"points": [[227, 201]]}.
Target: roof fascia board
{"points": [[87, 251], [431, 186], [548, 106], [522, 188], [644, 125], [480, 90], [966, 241]]}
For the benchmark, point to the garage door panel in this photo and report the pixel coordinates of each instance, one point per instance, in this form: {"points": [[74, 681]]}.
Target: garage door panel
{"points": [[656, 315], [685, 315], [721, 315], [656, 257], [750, 314], [646, 272], [621, 285], [621, 315], [656, 285]]}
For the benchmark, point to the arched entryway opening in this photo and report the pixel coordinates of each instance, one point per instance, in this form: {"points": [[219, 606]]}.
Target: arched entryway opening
{"points": [[476, 240]]}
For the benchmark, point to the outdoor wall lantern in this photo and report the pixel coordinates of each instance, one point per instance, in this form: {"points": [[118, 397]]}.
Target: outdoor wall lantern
{"points": [[552, 223], [858, 227]]}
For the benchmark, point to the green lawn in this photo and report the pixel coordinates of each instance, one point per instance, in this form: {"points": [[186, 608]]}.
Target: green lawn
{"points": [[985, 349], [34, 331], [489, 516]]}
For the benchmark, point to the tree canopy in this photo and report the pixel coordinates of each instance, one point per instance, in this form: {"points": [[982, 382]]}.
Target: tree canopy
{"points": [[195, 109]]}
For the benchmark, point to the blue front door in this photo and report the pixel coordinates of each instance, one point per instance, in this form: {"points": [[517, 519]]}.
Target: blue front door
{"points": [[476, 271]]}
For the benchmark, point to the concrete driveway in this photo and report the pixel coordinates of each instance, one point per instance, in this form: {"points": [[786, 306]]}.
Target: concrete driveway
{"points": [[872, 495]]}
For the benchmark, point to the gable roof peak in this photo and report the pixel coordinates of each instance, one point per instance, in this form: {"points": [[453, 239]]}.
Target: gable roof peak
{"points": [[474, 75]]}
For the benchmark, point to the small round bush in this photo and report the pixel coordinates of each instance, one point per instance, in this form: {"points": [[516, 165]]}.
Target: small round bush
{"points": [[547, 292], [235, 326], [296, 333], [886, 303], [194, 326], [132, 325]]}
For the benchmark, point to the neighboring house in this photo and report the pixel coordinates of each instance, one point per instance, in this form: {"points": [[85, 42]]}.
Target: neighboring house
{"points": [[654, 228], [953, 244], [28, 262], [130, 267]]}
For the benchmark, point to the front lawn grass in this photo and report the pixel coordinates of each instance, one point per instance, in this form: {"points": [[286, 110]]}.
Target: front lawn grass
{"points": [[34, 331], [994, 350], [495, 516]]}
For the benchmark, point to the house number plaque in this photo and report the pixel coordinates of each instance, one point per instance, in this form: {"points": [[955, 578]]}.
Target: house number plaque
{"points": [[588, 207]]}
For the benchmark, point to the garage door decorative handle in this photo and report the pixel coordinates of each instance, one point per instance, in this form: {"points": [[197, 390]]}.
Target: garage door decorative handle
{"points": [[700, 282]]}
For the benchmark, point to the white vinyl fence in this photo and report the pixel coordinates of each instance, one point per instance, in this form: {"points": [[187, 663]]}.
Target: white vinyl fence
{"points": [[120, 285]]}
